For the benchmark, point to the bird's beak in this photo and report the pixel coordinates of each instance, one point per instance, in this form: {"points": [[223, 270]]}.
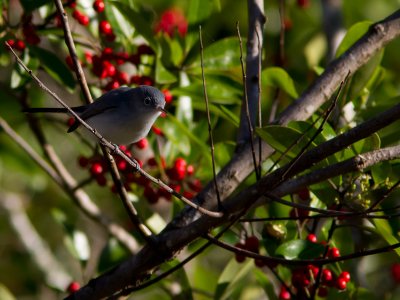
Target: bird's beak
{"points": [[161, 109]]}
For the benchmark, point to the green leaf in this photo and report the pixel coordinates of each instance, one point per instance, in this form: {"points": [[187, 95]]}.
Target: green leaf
{"points": [[353, 34], [118, 21], [112, 254], [381, 172], [223, 55], [370, 143], [279, 78], [54, 66], [282, 137], [385, 231], [162, 75], [30, 5], [300, 249], [232, 279], [139, 21], [199, 10]]}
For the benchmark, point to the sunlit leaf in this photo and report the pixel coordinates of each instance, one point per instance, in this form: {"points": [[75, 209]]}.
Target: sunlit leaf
{"points": [[300, 249], [279, 78], [353, 34]]}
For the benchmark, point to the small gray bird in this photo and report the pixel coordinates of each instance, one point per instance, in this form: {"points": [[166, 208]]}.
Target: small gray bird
{"points": [[122, 116]]}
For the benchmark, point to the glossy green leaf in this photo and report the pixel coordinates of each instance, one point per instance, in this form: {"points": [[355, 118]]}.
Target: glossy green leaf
{"points": [[231, 279], [279, 78], [163, 76], [353, 34], [118, 21], [300, 249], [223, 55], [384, 230], [139, 20], [370, 143], [54, 66], [201, 9], [111, 254]]}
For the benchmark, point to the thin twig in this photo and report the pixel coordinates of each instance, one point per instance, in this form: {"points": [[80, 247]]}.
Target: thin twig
{"points": [[384, 196], [143, 230], [72, 50], [246, 103], [259, 97], [210, 132], [114, 148]]}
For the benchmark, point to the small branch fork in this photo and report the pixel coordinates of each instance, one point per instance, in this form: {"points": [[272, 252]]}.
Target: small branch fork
{"points": [[114, 148]]}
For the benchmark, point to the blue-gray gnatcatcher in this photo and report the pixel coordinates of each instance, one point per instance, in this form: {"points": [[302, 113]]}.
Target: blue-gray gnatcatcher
{"points": [[122, 116]]}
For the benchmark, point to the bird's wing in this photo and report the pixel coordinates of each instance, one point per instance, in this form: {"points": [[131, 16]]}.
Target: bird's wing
{"points": [[106, 102]]}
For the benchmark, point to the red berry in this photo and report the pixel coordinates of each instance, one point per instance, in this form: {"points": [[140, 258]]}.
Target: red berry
{"points": [[157, 130], [105, 28], [11, 42], [345, 275], [98, 6], [304, 194], [20, 45], [142, 144], [314, 270], [240, 257], [322, 292], [195, 185], [178, 171], [122, 77], [252, 244], [396, 272], [122, 165], [190, 170], [341, 284], [73, 287], [284, 294], [312, 238], [188, 195], [298, 212], [287, 24], [72, 4], [167, 95], [146, 80], [70, 121], [96, 169], [333, 252], [326, 276], [259, 263], [136, 79], [113, 84], [101, 180], [70, 62], [135, 59], [150, 194], [83, 161], [84, 20], [89, 57]]}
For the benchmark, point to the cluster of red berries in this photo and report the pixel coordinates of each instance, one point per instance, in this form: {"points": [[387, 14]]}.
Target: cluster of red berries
{"points": [[303, 282], [303, 279], [180, 179], [180, 174], [28, 33], [172, 20]]}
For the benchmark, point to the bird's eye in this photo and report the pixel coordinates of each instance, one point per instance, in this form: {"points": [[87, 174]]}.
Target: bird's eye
{"points": [[147, 101]]}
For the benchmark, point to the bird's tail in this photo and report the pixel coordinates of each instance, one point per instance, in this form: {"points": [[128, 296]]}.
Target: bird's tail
{"points": [[45, 110], [52, 109]]}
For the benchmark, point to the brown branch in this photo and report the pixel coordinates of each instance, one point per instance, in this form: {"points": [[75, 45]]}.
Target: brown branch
{"points": [[184, 228]]}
